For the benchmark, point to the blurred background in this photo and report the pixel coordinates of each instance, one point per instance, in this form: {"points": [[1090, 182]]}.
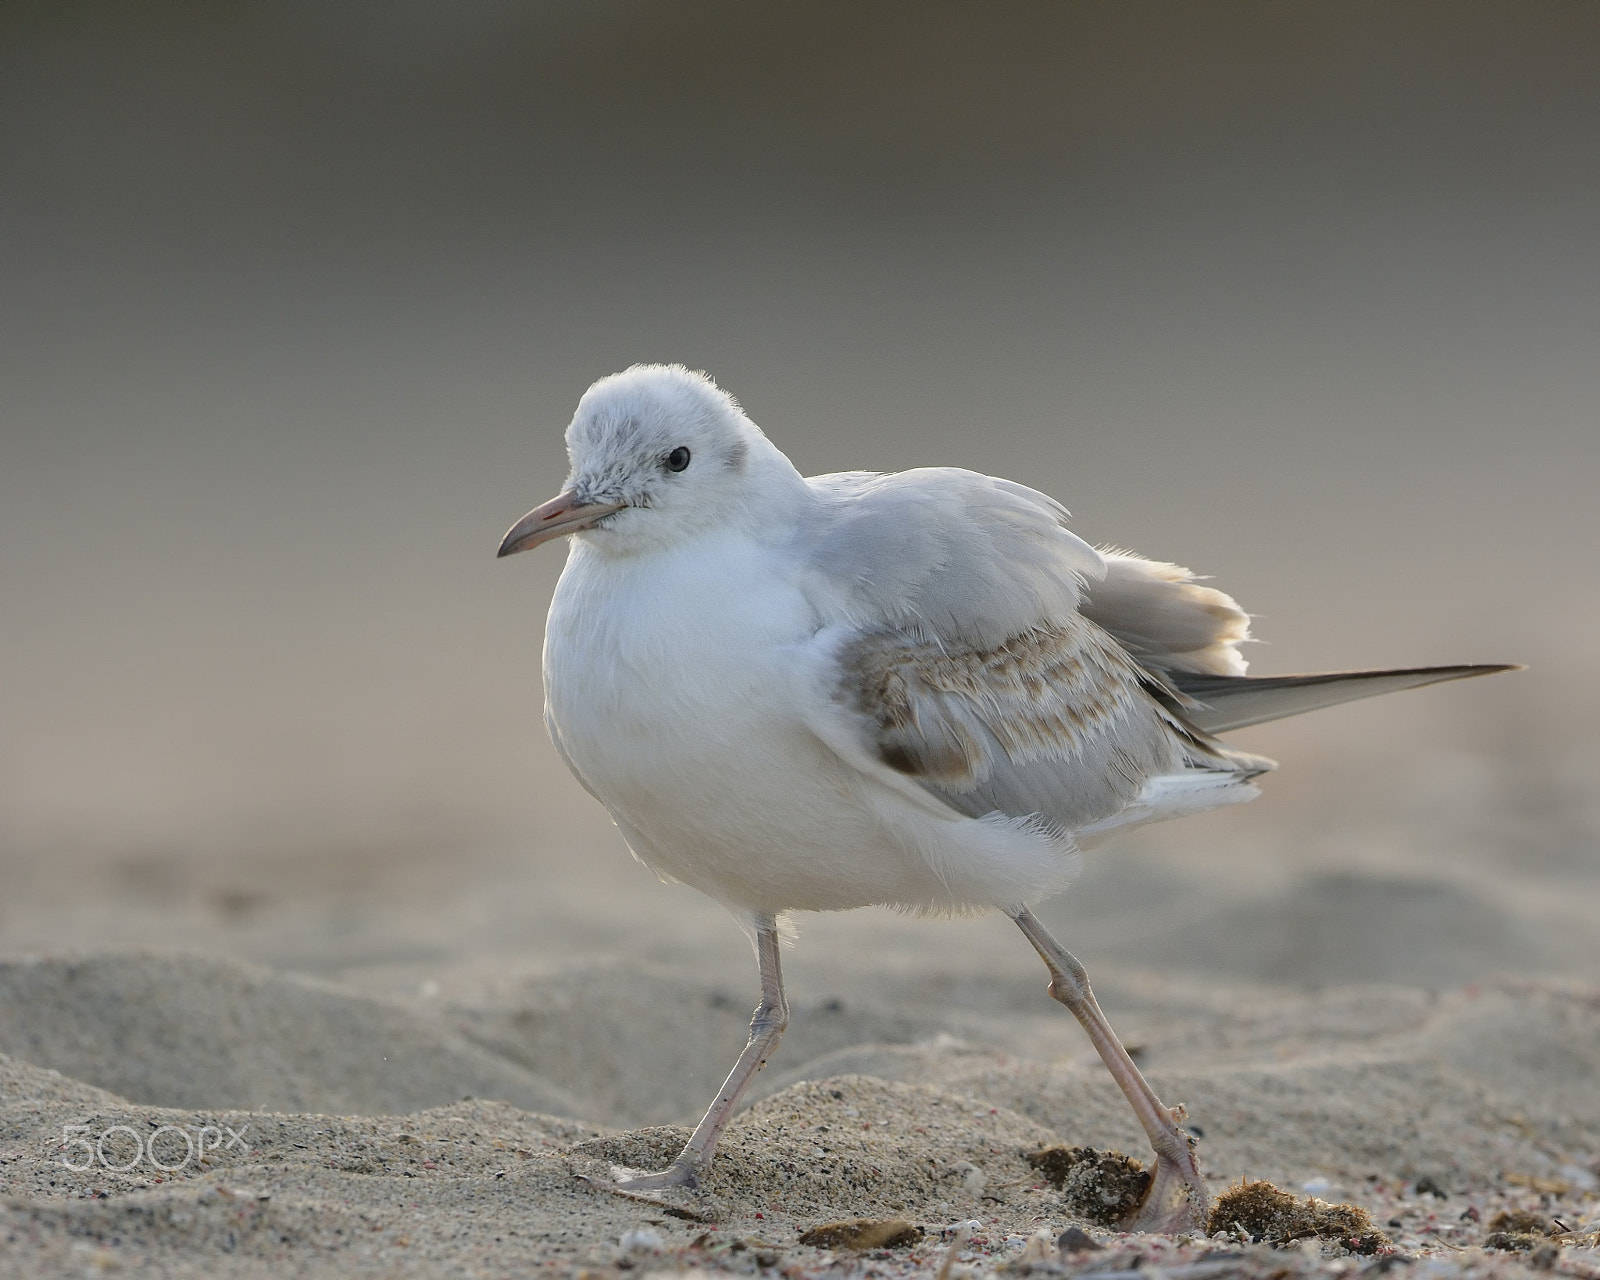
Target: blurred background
{"points": [[299, 297]]}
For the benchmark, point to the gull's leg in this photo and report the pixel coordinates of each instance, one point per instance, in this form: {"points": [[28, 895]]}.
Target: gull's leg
{"points": [[766, 1029], [1177, 1199]]}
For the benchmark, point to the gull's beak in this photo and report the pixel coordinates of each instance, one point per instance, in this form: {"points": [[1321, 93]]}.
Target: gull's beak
{"points": [[562, 514]]}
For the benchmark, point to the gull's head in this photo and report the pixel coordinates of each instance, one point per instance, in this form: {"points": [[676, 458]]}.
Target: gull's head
{"points": [[658, 454]]}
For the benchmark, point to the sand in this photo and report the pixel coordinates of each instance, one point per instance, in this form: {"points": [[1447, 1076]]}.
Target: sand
{"points": [[393, 1059]]}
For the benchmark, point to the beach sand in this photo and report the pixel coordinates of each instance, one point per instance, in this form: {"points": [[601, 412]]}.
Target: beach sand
{"points": [[406, 1064]]}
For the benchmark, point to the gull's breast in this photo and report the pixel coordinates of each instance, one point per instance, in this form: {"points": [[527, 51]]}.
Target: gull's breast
{"points": [[671, 690]]}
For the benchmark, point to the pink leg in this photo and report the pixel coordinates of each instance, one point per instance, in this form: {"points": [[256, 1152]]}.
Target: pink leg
{"points": [[1177, 1199], [766, 1029]]}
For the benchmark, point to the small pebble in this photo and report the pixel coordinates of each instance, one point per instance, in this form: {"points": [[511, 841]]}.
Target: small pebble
{"points": [[1076, 1240], [642, 1240]]}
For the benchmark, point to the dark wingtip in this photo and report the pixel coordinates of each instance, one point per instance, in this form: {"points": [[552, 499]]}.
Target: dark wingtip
{"points": [[1236, 702]]}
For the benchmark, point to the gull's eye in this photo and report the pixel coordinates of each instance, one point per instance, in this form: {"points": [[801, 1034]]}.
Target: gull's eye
{"points": [[678, 459]]}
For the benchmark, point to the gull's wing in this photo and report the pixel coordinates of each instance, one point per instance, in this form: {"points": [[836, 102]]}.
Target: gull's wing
{"points": [[958, 665]]}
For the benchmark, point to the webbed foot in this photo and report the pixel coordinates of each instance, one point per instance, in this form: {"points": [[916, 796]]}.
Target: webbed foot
{"points": [[1176, 1201], [680, 1173]]}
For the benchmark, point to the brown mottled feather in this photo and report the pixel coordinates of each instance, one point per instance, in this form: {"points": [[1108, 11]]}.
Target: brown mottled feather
{"points": [[1057, 720]]}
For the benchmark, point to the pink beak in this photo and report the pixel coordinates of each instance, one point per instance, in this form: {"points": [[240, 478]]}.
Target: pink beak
{"points": [[562, 514]]}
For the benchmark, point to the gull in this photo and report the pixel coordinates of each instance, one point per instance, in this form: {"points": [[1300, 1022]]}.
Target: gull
{"points": [[918, 690]]}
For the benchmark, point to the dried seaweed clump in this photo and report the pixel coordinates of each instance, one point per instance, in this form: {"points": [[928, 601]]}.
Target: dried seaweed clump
{"points": [[1102, 1187], [1518, 1230], [1275, 1217], [863, 1233]]}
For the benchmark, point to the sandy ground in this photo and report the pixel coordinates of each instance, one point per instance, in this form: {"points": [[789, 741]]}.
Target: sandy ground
{"points": [[396, 1061]]}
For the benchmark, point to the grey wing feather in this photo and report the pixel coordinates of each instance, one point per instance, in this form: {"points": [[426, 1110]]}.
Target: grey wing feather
{"points": [[1224, 702], [945, 553]]}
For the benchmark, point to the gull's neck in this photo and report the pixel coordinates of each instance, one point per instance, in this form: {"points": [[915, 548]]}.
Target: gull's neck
{"points": [[774, 495]]}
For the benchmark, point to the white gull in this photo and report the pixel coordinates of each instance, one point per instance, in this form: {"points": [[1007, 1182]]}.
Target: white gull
{"points": [[918, 690]]}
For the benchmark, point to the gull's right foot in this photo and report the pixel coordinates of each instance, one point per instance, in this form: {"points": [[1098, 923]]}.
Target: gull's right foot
{"points": [[647, 1187], [680, 1173]]}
